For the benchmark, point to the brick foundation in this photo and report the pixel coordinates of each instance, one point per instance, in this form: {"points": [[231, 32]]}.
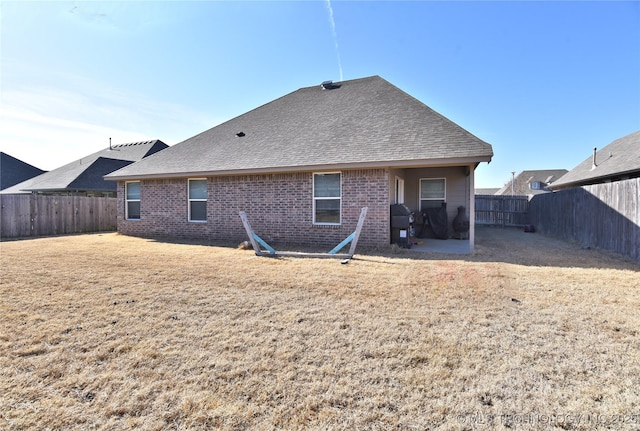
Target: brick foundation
{"points": [[278, 206]]}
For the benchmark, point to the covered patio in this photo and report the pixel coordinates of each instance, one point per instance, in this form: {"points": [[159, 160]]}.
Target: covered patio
{"points": [[445, 246]]}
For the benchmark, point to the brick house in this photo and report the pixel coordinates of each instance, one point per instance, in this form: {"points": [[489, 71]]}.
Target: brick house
{"points": [[302, 167]]}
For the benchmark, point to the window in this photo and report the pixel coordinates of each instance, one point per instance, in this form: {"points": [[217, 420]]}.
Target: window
{"points": [[198, 200], [132, 192], [536, 185], [326, 198], [432, 193]]}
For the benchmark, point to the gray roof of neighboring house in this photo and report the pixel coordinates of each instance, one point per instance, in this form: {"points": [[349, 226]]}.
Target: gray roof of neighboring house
{"points": [[486, 191], [365, 122], [87, 173], [619, 159], [14, 171], [523, 181]]}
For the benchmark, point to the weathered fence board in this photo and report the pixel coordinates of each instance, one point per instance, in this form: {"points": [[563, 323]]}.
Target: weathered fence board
{"points": [[16, 216], [502, 210], [605, 216], [37, 215]]}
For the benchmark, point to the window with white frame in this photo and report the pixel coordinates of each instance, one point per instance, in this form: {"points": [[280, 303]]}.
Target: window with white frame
{"points": [[198, 200], [132, 198], [432, 192], [327, 198]]}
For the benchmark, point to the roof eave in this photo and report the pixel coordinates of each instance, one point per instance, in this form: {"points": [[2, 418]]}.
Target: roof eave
{"points": [[54, 190], [590, 180], [414, 163]]}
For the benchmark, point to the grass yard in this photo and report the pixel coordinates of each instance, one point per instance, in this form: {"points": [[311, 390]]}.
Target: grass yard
{"points": [[112, 332]]}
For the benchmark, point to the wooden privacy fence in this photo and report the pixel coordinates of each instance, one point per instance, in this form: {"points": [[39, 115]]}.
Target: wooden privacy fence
{"points": [[502, 210], [605, 216], [36, 215]]}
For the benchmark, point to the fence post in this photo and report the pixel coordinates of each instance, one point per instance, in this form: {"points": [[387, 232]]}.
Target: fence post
{"points": [[32, 214]]}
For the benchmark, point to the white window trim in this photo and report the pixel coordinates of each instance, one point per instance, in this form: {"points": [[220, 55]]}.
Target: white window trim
{"points": [[314, 198], [127, 200], [399, 190], [189, 200], [420, 199]]}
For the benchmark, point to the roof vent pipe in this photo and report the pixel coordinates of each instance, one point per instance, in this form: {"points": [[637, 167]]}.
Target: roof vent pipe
{"points": [[593, 166]]}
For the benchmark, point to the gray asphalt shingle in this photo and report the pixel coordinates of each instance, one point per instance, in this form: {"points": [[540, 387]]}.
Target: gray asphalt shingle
{"points": [[361, 122], [621, 157]]}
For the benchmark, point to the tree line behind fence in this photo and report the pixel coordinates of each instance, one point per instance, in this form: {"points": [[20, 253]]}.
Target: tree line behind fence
{"points": [[37, 215]]}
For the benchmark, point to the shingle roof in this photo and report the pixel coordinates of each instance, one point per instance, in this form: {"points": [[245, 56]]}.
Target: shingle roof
{"points": [[486, 191], [87, 173], [361, 122], [523, 181], [618, 159], [14, 171]]}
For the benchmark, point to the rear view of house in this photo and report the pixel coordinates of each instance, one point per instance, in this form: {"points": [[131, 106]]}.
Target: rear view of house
{"points": [[302, 167]]}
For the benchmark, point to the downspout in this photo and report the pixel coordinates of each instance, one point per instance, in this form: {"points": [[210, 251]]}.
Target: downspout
{"points": [[472, 208]]}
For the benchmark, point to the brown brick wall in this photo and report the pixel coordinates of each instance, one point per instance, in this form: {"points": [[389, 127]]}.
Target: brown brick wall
{"points": [[278, 206]]}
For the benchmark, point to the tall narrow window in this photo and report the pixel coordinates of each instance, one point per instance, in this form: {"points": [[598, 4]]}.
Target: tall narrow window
{"points": [[327, 198], [198, 200], [432, 192], [132, 207]]}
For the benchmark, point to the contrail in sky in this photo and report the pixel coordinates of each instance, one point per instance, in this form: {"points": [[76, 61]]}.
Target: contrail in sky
{"points": [[335, 34]]}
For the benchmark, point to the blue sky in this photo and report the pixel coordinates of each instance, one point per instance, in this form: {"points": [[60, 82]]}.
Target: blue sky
{"points": [[543, 82]]}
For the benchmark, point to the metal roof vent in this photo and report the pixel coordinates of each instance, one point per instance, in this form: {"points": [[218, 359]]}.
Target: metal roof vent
{"points": [[240, 134], [329, 85]]}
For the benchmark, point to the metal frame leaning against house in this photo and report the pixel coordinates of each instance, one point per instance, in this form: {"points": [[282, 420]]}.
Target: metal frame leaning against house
{"points": [[257, 242]]}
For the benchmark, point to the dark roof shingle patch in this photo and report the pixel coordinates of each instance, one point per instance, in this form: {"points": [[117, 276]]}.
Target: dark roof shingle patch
{"points": [[14, 171], [87, 173]]}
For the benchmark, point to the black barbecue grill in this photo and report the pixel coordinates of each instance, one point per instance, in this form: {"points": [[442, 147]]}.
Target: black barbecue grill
{"points": [[401, 225]]}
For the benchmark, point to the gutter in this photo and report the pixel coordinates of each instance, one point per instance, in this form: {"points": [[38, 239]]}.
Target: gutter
{"points": [[417, 163]]}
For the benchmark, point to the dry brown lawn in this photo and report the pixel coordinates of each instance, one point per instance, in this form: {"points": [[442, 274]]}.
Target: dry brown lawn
{"points": [[112, 332]]}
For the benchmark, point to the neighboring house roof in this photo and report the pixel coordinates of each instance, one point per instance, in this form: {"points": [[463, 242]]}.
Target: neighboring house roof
{"points": [[532, 182], [364, 122], [486, 191], [87, 173], [618, 160], [14, 171]]}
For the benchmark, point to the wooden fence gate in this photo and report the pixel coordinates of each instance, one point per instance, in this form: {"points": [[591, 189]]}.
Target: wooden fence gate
{"points": [[502, 210], [37, 215]]}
